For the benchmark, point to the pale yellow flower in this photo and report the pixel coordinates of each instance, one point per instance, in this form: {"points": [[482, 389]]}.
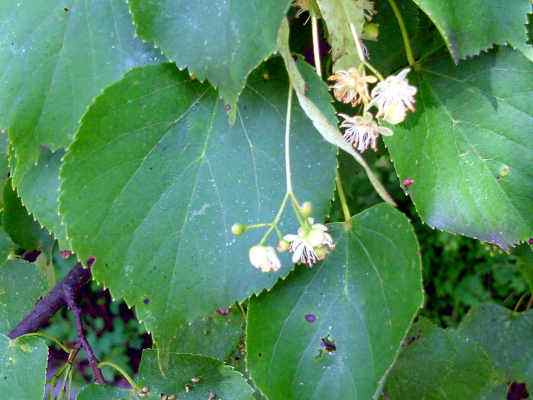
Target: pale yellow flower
{"points": [[363, 132], [393, 97], [351, 87]]}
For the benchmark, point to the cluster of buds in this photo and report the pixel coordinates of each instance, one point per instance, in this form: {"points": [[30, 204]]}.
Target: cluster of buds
{"points": [[392, 97], [311, 244]]}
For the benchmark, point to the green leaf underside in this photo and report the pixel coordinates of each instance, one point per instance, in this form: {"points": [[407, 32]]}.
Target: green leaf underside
{"points": [[39, 189], [468, 147], [506, 337], [56, 56], [364, 297], [21, 227], [441, 364], [214, 377], [22, 368], [220, 40], [471, 26], [101, 392], [21, 285], [168, 176], [491, 348], [338, 15]]}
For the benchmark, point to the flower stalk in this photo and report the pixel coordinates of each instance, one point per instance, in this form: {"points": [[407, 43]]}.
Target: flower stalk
{"points": [[405, 35]]}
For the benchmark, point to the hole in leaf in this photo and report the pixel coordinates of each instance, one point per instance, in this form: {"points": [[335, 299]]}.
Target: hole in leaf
{"points": [[328, 344]]}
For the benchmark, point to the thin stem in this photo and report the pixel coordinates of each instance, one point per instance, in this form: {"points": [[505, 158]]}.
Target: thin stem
{"points": [[405, 35], [276, 219], [48, 337], [342, 198], [316, 44], [255, 226], [287, 141], [296, 207], [361, 54], [121, 372]]}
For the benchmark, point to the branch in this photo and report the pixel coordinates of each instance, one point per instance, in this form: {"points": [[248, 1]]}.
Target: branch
{"points": [[70, 298], [64, 293]]}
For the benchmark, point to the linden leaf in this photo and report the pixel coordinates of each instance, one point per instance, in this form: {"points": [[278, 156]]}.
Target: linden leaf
{"points": [[471, 26], [56, 56], [442, 364], [220, 40], [468, 148], [333, 331], [168, 176]]}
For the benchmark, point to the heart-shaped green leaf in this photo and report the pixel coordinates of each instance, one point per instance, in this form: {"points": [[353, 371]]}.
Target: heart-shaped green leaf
{"points": [[333, 331], [468, 147], [56, 56], [220, 40], [471, 26], [441, 364], [157, 176], [506, 337]]}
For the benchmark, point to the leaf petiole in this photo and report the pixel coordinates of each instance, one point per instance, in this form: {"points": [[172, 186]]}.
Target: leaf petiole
{"points": [[121, 371]]}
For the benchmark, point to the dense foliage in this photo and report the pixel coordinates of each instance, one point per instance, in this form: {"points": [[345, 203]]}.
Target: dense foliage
{"points": [[310, 199]]}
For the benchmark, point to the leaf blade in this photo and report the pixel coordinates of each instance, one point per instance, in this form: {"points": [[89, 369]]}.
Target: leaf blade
{"points": [[347, 299], [470, 163], [169, 184]]}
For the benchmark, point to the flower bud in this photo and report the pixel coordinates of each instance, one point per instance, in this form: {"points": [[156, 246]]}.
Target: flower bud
{"points": [[264, 258], [371, 31], [238, 229], [306, 209], [283, 246]]}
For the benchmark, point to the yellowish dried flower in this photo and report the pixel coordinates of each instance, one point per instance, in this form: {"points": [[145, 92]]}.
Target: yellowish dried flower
{"points": [[351, 87]]}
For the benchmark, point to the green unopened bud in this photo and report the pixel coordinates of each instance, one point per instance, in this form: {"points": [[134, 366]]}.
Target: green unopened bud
{"points": [[283, 246], [238, 229], [306, 209], [371, 31]]}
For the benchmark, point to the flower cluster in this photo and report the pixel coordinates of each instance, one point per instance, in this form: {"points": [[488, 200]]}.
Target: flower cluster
{"points": [[311, 244], [392, 97]]}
